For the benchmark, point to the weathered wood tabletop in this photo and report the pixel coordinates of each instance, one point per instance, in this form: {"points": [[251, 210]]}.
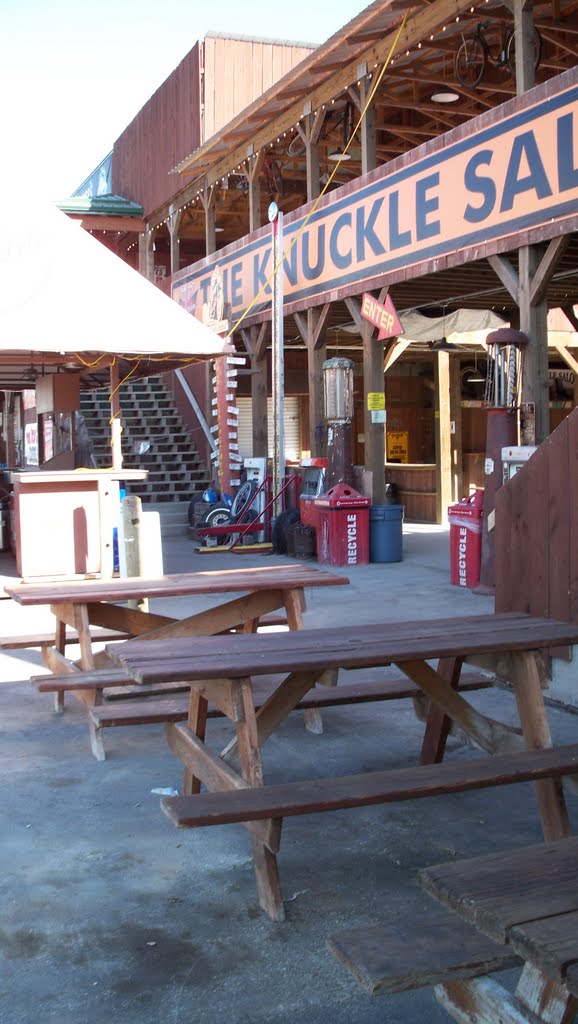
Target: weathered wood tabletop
{"points": [[85, 603], [527, 898], [221, 671]]}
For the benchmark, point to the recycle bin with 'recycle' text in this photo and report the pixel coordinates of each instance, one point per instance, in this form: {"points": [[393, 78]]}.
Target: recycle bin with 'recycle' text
{"points": [[465, 519], [343, 526]]}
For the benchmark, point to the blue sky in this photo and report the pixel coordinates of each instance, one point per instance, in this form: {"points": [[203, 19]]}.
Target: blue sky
{"points": [[73, 75]]}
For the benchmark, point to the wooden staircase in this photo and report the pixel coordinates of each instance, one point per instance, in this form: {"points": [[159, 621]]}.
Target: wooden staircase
{"points": [[154, 437]]}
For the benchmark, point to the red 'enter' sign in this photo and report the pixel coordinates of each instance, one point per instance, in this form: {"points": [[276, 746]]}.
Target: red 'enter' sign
{"points": [[381, 315]]}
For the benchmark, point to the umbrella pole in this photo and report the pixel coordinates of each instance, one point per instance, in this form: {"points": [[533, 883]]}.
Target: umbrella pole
{"points": [[115, 424]]}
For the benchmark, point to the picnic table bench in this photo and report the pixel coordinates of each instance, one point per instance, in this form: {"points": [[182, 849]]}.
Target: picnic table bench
{"points": [[223, 673], [82, 604], [514, 907]]}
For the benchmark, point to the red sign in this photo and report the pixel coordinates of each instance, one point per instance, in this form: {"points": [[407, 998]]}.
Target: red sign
{"points": [[383, 316]]}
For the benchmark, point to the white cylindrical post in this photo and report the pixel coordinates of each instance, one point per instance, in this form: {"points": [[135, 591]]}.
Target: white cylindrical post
{"points": [[278, 378]]}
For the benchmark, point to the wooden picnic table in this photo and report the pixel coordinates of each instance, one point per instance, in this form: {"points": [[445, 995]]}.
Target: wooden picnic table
{"points": [[83, 604], [223, 672], [528, 899]]}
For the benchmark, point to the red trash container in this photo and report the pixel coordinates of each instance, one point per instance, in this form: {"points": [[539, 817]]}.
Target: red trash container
{"points": [[465, 520], [343, 526]]}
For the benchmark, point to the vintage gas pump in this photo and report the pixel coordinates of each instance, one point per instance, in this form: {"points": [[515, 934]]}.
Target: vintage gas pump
{"points": [[338, 392]]}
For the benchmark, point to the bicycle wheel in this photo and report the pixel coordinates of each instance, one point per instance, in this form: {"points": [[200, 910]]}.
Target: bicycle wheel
{"points": [[471, 60], [511, 51]]}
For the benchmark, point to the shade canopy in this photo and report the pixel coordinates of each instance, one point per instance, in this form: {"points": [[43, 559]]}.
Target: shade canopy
{"points": [[67, 303]]}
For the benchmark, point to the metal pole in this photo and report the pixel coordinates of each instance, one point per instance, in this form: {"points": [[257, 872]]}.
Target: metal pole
{"points": [[278, 380]]}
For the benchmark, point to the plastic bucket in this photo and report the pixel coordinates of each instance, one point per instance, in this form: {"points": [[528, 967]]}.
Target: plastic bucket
{"points": [[385, 533]]}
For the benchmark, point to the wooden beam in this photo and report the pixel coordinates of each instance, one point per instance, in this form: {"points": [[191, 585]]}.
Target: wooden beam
{"points": [[546, 267], [507, 275], [418, 26], [443, 436], [566, 356]]}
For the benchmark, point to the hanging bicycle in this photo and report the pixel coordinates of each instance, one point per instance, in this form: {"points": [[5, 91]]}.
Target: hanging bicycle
{"points": [[489, 44]]}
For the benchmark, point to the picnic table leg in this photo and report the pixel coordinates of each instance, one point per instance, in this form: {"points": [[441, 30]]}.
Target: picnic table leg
{"points": [[264, 860], [548, 999], [197, 722], [60, 644], [534, 721], [89, 697], [294, 602], [438, 724]]}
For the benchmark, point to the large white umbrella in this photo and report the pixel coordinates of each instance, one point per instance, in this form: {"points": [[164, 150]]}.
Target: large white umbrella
{"points": [[64, 294]]}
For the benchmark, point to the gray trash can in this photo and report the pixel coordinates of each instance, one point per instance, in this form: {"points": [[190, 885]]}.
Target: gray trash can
{"points": [[385, 533]]}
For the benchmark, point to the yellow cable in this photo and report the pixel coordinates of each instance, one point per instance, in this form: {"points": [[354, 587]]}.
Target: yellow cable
{"points": [[369, 100]]}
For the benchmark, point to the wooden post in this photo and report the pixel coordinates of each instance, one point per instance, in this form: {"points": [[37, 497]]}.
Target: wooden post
{"points": [[456, 441], [524, 45], [145, 254], [175, 217], [443, 436], [312, 329], [131, 521], [368, 132], [373, 382], [256, 340], [533, 322]]}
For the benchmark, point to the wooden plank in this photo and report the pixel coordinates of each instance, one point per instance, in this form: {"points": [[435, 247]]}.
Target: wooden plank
{"points": [[532, 713], [558, 538], [572, 490], [423, 950], [275, 577], [24, 641], [500, 890], [488, 734], [536, 553], [503, 551], [335, 647], [75, 680], [438, 723], [332, 794], [551, 944], [275, 709], [230, 615], [149, 712], [216, 775]]}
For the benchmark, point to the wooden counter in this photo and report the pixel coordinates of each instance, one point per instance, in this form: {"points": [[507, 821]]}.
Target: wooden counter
{"points": [[63, 521]]}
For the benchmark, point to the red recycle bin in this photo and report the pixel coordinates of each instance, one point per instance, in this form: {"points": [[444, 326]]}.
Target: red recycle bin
{"points": [[343, 526], [465, 520]]}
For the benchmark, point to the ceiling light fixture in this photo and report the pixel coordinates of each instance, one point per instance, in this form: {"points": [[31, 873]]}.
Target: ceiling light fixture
{"points": [[337, 155], [445, 96]]}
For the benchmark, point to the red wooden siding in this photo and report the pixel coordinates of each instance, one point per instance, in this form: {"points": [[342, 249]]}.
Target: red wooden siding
{"points": [[164, 132], [238, 71], [214, 83], [536, 530]]}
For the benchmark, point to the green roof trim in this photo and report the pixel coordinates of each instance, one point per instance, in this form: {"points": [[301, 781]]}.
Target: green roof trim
{"points": [[101, 205]]}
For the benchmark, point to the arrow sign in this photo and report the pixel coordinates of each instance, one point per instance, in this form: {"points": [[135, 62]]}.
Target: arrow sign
{"points": [[383, 316]]}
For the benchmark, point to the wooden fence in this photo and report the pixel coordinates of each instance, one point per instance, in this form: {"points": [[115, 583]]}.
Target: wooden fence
{"points": [[537, 532]]}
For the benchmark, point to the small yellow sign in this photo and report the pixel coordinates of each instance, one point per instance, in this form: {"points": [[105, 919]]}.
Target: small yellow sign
{"points": [[397, 446], [375, 400]]}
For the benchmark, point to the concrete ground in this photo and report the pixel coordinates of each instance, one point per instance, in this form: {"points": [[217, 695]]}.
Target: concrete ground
{"points": [[110, 914]]}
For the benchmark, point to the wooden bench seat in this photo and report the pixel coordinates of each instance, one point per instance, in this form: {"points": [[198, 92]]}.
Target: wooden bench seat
{"points": [[149, 712], [429, 949], [331, 794], [17, 643]]}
